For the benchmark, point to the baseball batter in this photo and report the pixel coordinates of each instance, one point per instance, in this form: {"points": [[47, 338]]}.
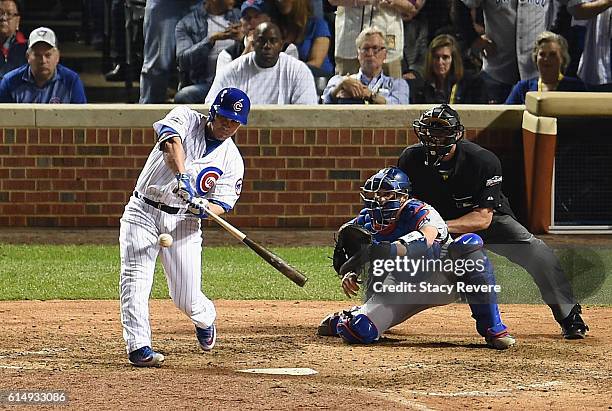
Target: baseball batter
{"points": [[194, 168], [402, 226]]}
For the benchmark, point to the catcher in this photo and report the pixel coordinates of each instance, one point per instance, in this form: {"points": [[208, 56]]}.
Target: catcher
{"points": [[392, 226]]}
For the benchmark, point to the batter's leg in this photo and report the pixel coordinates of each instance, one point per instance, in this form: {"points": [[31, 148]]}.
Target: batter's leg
{"points": [[183, 267], [138, 249]]}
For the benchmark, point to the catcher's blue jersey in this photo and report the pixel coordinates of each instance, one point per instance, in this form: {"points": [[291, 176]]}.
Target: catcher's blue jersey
{"points": [[413, 215]]}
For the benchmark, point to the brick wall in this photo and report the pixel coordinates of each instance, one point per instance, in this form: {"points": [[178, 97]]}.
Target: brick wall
{"points": [[300, 177]]}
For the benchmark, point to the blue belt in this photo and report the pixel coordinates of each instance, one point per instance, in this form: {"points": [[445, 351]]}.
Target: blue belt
{"points": [[160, 206]]}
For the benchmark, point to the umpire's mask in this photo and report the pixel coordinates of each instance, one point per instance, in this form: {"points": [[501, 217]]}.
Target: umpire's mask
{"points": [[438, 130]]}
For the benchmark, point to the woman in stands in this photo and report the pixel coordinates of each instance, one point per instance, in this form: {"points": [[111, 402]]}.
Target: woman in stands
{"points": [[310, 34], [551, 56], [445, 79]]}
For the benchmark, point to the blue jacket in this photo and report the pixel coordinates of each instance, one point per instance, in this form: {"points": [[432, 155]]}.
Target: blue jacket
{"points": [[520, 89], [18, 86], [15, 55], [193, 46]]}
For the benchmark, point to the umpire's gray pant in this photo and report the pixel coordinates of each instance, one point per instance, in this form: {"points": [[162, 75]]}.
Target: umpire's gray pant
{"points": [[507, 237]]}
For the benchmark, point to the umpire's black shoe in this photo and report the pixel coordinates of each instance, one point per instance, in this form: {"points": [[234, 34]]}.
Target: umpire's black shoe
{"points": [[573, 327]]}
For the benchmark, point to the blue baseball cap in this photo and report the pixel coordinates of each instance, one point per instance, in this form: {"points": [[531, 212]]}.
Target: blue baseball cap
{"points": [[259, 5]]}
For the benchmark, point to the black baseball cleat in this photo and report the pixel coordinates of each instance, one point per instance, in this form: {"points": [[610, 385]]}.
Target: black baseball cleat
{"points": [[573, 327]]}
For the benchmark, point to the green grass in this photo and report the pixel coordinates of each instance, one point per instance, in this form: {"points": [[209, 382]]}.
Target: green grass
{"points": [[44, 272]]}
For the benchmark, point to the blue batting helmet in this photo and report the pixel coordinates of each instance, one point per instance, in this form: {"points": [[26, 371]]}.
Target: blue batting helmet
{"points": [[231, 103], [384, 194]]}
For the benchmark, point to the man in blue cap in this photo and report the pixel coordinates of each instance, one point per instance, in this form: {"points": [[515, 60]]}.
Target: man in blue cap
{"points": [[194, 169]]}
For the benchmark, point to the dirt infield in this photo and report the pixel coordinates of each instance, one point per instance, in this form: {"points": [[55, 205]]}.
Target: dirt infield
{"points": [[434, 361]]}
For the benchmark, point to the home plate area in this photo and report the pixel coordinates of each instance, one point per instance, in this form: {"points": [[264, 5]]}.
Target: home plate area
{"points": [[268, 356]]}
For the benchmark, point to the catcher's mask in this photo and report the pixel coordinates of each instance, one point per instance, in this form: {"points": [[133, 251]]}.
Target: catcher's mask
{"points": [[384, 194], [231, 103], [438, 130]]}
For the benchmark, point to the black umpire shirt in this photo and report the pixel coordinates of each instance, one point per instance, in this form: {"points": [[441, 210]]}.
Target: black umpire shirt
{"points": [[471, 179]]}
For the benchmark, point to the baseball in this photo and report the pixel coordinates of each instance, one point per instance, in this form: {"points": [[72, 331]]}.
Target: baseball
{"points": [[165, 240]]}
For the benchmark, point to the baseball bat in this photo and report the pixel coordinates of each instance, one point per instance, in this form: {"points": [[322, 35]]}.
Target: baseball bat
{"points": [[271, 258]]}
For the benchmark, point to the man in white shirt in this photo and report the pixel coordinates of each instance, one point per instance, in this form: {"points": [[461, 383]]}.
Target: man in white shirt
{"points": [[268, 75], [252, 14]]}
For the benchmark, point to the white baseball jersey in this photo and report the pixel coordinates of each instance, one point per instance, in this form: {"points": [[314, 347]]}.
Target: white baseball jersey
{"points": [[216, 168]]}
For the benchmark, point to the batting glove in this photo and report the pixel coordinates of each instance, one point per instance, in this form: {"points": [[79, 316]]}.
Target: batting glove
{"points": [[198, 206], [183, 188]]}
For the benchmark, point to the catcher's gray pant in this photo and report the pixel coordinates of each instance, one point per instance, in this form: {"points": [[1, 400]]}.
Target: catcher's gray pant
{"points": [[507, 237], [387, 310]]}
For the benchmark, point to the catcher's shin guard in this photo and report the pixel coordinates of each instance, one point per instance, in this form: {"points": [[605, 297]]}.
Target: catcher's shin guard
{"points": [[483, 303], [358, 329]]}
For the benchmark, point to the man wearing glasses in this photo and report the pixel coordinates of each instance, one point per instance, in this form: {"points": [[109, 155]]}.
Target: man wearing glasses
{"points": [[370, 85], [12, 42]]}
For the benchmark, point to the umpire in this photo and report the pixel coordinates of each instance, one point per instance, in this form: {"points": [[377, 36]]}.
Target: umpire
{"points": [[462, 181]]}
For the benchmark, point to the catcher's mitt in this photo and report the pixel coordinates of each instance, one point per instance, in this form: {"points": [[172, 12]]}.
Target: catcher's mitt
{"points": [[351, 239]]}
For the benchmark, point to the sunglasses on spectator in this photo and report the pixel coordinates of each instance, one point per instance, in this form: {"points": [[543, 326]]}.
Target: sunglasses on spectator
{"points": [[374, 50]]}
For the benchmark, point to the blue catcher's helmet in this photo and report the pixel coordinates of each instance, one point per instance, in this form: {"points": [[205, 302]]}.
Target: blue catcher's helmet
{"points": [[438, 129], [231, 103], [384, 194]]}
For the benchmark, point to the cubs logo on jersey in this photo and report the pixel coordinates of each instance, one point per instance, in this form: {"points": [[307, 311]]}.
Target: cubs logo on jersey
{"points": [[206, 179]]}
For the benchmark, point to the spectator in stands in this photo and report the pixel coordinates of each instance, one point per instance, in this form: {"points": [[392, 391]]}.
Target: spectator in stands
{"points": [[42, 80], [252, 14], [161, 17], [200, 36], [445, 79], [353, 16], [14, 44], [511, 28], [267, 74], [310, 34], [551, 57], [415, 47], [117, 73], [370, 85], [595, 67]]}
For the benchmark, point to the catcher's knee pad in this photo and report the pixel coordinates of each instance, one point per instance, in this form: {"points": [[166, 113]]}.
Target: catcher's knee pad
{"points": [[468, 245], [358, 329]]}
